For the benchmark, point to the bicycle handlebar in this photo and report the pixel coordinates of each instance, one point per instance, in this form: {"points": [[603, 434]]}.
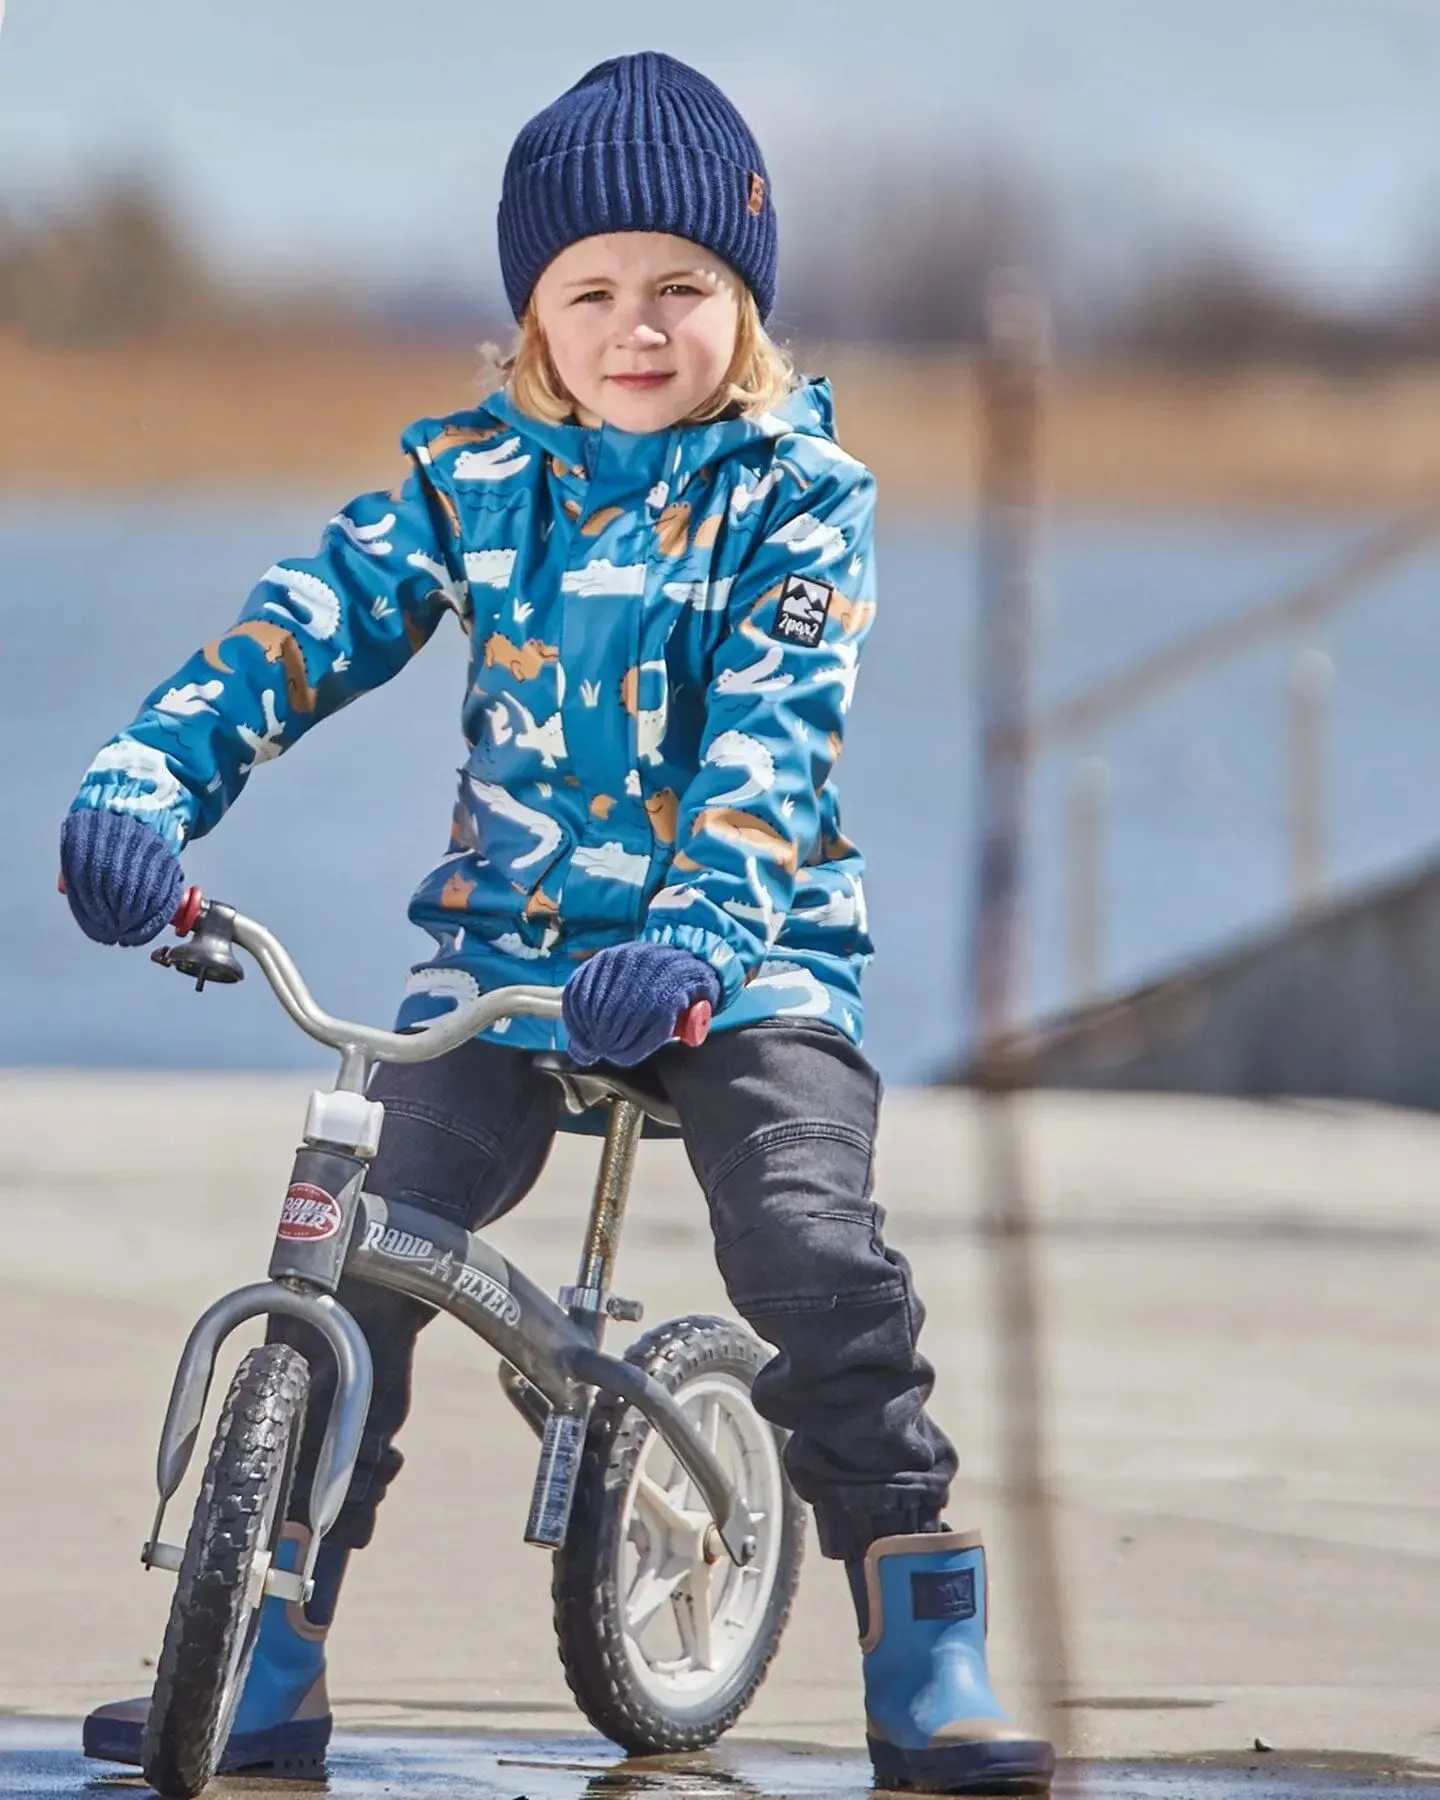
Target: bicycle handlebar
{"points": [[430, 1040]]}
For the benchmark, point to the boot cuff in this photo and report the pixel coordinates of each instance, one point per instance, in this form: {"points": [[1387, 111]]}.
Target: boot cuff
{"points": [[924, 1543]]}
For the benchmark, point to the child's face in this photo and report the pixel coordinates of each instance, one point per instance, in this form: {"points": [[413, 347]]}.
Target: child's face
{"points": [[641, 326]]}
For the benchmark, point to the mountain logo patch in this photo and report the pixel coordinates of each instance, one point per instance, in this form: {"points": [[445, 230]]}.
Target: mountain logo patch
{"points": [[802, 610]]}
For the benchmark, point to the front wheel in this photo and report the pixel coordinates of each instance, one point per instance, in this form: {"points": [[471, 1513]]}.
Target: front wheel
{"points": [[215, 1614], [665, 1640]]}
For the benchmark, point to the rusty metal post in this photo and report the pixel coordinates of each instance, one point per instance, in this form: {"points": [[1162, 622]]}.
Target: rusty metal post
{"points": [[1311, 679], [1011, 379], [1086, 824]]}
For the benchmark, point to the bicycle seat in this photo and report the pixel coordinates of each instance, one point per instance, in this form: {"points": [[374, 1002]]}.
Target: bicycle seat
{"points": [[587, 1087]]}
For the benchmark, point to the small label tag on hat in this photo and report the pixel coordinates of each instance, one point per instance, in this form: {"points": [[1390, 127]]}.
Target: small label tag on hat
{"points": [[943, 1594], [802, 610], [757, 193]]}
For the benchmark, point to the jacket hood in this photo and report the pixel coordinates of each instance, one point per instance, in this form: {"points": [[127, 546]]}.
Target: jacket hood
{"points": [[627, 460]]}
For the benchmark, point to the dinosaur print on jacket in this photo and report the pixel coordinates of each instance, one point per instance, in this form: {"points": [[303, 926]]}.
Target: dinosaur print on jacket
{"points": [[739, 827], [649, 721], [663, 809], [524, 661], [280, 647], [648, 742], [673, 531]]}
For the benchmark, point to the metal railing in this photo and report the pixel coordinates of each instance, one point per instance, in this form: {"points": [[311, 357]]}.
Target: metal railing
{"points": [[1011, 741], [1305, 708]]}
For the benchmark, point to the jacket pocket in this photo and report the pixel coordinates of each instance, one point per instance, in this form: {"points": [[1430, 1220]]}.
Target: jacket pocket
{"points": [[513, 844]]}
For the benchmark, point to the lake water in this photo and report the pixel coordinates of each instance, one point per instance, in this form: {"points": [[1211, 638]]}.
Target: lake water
{"points": [[100, 600]]}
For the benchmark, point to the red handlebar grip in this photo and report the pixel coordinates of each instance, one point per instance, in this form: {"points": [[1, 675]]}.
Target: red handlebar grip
{"points": [[188, 911], [60, 882], [693, 1026]]}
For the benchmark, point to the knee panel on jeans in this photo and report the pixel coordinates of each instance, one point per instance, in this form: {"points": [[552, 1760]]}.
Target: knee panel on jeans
{"points": [[465, 1136], [428, 1159], [795, 1228]]}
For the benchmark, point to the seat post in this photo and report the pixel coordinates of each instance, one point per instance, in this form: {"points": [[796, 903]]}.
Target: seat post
{"points": [[589, 1305], [587, 1300]]}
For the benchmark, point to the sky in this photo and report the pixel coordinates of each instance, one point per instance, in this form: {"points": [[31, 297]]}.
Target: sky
{"points": [[366, 138]]}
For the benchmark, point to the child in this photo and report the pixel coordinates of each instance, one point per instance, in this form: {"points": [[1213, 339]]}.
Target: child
{"points": [[664, 561]]}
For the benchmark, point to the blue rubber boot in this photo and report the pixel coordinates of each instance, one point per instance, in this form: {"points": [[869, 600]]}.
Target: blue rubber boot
{"points": [[282, 1724], [931, 1718]]}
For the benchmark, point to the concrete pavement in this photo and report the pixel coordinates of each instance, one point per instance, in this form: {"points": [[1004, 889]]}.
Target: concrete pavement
{"points": [[1242, 1344]]}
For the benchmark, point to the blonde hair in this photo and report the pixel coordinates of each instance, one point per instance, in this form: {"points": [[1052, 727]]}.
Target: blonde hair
{"points": [[760, 376]]}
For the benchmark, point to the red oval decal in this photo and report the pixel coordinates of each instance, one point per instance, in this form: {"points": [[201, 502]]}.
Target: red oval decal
{"points": [[308, 1213]]}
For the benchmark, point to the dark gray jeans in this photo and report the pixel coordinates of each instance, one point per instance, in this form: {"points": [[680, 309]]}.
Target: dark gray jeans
{"points": [[779, 1123]]}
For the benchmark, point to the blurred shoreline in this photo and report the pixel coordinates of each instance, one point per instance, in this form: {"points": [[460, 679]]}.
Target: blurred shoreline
{"points": [[323, 411]]}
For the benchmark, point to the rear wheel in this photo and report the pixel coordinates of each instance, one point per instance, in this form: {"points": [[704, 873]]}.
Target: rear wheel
{"points": [[215, 1615], [665, 1640]]}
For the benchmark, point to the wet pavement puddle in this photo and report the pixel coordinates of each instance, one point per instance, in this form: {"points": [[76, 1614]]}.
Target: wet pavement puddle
{"points": [[41, 1757]]}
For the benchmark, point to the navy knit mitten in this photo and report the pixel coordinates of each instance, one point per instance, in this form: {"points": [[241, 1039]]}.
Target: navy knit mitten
{"points": [[122, 879], [625, 1002]]}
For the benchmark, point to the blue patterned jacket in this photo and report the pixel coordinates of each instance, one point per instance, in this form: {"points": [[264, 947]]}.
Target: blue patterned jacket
{"points": [[664, 633]]}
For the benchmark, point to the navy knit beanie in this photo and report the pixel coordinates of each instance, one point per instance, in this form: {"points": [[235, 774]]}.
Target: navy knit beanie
{"points": [[641, 143]]}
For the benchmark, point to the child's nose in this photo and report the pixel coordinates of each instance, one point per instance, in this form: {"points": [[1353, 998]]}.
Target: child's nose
{"points": [[642, 335]]}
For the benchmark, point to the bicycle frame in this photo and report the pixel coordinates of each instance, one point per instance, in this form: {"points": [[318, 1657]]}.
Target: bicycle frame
{"points": [[330, 1226]]}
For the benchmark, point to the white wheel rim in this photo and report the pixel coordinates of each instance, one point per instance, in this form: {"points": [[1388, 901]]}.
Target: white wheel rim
{"points": [[689, 1623]]}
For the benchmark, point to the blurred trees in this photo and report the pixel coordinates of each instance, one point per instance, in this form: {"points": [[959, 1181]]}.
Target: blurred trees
{"points": [[112, 269], [884, 249], [902, 251], [1213, 306]]}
